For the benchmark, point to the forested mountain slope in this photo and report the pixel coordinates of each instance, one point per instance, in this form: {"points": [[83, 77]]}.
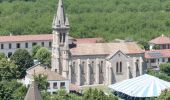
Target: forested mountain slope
{"points": [[110, 19]]}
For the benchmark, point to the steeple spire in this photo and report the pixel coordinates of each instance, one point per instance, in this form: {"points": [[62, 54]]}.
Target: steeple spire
{"points": [[60, 18]]}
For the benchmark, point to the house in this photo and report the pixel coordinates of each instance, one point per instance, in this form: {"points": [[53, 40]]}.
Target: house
{"points": [[55, 81], [162, 41], [155, 57]]}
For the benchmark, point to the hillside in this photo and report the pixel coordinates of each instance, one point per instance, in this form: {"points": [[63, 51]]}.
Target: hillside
{"points": [[110, 19]]}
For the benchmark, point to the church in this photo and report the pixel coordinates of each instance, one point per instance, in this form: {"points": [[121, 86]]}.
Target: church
{"points": [[92, 63]]}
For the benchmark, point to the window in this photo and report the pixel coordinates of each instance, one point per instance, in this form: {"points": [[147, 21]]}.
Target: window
{"points": [[64, 36], [101, 67], [49, 44], [163, 59], [26, 45], [82, 68], [137, 65], [92, 67], [42, 43], [117, 67], [34, 43], [18, 45], [9, 45], [168, 59], [60, 37], [55, 85], [2, 46], [153, 60], [62, 84], [48, 85], [120, 67]]}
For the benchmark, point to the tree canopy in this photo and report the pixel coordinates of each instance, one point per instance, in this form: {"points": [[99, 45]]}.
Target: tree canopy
{"points": [[23, 60], [125, 19], [44, 56]]}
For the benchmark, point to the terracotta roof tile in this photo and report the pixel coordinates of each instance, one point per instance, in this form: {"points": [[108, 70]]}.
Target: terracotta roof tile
{"points": [[20, 38], [161, 40], [40, 69], [157, 53], [106, 48], [88, 40]]}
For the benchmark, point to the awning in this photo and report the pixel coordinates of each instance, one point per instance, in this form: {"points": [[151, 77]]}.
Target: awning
{"points": [[142, 86]]}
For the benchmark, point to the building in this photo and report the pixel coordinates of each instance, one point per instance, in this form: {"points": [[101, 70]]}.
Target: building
{"points": [[156, 57], [55, 81], [162, 41], [8, 44], [93, 63]]}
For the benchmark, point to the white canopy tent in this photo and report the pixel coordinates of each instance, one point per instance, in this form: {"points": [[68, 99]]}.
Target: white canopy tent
{"points": [[142, 86]]}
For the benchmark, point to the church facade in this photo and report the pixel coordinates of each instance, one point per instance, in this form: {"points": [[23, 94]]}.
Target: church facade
{"points": [[93, 63]]}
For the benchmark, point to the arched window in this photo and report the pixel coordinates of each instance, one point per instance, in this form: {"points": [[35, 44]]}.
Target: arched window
{"points": [[101, 67], [92, 67], [83, 67], [73, 68], [60, 37], [120, 67], [117, 67], [137, 65], [64, 37]]}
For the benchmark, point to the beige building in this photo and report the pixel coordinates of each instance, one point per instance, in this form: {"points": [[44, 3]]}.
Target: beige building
{"points": [[93, 63]]}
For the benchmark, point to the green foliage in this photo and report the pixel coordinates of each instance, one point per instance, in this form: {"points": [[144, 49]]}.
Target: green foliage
{"points": [[41, 80], [165, 68], [23, 60], [94, 94], [156, 47], [35, 49], [109, 19], [8, 70], [2, 55], [165, 95], [11, 90], [44, 56]]}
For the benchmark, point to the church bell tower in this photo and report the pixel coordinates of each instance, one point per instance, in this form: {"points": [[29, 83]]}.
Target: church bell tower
{"points": [[60, 47]]}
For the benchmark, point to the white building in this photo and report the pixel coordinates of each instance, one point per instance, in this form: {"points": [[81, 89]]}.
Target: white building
{"points": [[162, 41], [55, 81], [8, 44], [156, 57]]}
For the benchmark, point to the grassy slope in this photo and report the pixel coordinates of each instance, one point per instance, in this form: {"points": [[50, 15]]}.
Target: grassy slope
{"points": [[126, 19]]}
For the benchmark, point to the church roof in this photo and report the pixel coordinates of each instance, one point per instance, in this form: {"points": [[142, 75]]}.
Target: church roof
{"points": [[161, 40], [40, 69], [105, 48], [33, 93], [163, 53]]}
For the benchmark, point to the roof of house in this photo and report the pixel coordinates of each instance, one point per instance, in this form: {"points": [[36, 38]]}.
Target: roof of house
{"points": [[161, 40], [21, 38], [105, 48], [163, 53], [88, 40], [33, 93], [40, 69]]}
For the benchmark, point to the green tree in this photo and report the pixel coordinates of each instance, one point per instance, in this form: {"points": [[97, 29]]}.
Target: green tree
{"points": [[165, 95], [165, 68], [10, 90], [35, 49], [41, 80], [44, 56], [23, 60], [2, 55], [8, 70]]}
